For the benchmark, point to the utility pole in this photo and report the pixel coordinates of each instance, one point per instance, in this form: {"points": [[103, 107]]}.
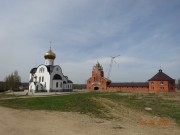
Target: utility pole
{"points": [[110, 65]]}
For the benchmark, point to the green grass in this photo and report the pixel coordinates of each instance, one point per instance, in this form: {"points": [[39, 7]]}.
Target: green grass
{"points": [[160, 107], [82, 103], [85, 103], [4, 95]]}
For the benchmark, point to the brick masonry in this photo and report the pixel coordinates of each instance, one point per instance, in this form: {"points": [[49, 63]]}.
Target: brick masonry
{"points": [[158, 83]]}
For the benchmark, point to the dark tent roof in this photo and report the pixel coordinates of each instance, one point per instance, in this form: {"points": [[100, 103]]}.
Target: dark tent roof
{"points": [[160, 76], [129, 84]]}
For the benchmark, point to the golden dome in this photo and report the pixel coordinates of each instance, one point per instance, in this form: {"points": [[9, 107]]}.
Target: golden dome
{"points": [[50, 55]]}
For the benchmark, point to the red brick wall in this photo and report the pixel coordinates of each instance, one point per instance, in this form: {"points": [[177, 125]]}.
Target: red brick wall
{"points": [[138, 89], [171, 86], [98, 82], [162, 86]]}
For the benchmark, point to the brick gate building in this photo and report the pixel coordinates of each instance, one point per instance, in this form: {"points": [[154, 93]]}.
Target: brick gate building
{"points": [[158, 83]]}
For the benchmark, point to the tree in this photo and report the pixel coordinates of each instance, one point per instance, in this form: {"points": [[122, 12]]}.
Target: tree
{"points": [[178, 84], [2, 86], [79, 86], [13, 81]]}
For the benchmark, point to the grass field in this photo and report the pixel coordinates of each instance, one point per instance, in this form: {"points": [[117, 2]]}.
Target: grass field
{"points": [[163, 105]]}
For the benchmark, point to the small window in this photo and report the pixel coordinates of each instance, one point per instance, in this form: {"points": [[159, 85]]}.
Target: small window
{"points": [[42, 79], [39, 79], [152, 83], [56, 84], [161, 83]]}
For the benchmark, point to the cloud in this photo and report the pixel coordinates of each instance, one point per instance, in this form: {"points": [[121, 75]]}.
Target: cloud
{"points": [[145, 34]]}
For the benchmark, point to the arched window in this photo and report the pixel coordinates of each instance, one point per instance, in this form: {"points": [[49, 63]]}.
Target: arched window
{"points": [[161, 83], [41, 70], [64, 82]]}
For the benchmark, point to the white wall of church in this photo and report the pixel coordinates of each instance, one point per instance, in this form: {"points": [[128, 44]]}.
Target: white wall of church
{"points": [[49, 62], [57, 85], [43, 77]]}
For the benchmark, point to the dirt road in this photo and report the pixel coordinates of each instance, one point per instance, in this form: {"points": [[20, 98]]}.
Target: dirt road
{"points": [[27, 122]]}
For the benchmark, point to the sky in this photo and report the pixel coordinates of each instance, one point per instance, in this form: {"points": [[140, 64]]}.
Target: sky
{"points": [[145, 33]]}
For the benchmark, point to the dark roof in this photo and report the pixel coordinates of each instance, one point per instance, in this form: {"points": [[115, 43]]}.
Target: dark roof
{"points": [[50, 68], [33, 70], [69, 81], [129, 84], [57, 77], [107, 79], [160, 76]]}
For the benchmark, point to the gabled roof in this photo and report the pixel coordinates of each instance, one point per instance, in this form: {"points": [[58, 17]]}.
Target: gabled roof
{"points": [[129, 84], [160, 76]]}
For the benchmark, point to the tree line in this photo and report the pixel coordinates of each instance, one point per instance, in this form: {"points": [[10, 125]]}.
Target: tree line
{"points": [[11, 82]]}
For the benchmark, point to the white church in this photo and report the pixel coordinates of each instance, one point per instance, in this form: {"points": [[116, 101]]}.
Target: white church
{"points": [[49, 77]]}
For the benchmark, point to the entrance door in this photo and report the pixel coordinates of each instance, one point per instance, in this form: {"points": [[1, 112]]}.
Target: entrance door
{"points": [[96, 88], [36, 88]]}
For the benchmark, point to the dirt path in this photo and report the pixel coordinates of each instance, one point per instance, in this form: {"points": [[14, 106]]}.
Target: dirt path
{"points": [[26, 122]]}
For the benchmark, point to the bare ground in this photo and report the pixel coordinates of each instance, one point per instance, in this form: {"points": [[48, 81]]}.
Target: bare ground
{"points": [[124, 121]]}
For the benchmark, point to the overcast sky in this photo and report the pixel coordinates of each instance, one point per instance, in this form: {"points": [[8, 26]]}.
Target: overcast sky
{"points": [[145, 33]]}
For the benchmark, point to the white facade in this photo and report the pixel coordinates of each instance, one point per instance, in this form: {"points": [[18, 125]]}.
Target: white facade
{"points": [[49, 77]]}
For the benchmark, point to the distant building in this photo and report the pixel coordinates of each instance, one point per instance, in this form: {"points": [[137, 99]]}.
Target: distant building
{"points": [[161, 83], [158, 83], [49, 77]]}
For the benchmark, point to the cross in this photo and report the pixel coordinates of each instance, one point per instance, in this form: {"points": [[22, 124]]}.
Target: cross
{"points": [[50, 44]]}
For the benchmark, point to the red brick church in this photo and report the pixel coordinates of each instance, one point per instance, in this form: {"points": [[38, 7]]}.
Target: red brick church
{"points": [[158, 83]]}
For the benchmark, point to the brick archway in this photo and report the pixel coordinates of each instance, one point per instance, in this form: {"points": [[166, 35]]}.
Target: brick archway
{"points": [[96, 88]]}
